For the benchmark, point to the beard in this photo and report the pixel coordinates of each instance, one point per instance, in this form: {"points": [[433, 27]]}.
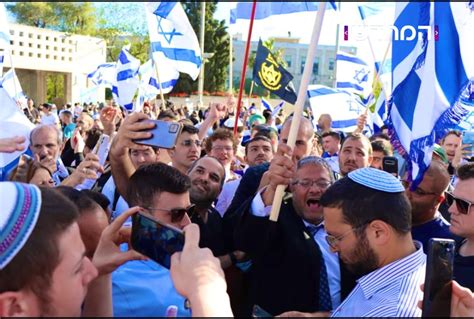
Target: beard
{"points": [[363, 258]]}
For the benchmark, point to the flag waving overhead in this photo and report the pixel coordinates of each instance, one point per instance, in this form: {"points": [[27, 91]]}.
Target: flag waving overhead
{"points": [[105, 74], [431, 73], [126, 80], [353, 74], [172, 38], [266, 9], [10, 83], [272, 76], [4, 28]]}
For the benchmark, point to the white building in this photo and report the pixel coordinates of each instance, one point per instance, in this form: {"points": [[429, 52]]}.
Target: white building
{"points": [[295, 57], [38, 53]]}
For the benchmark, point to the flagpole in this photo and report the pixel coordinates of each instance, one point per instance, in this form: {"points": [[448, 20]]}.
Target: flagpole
{"points": [[295, 123], [337, 44], [244, 66], [201, 76], [250, 92], [159, 82], [231, 53]]}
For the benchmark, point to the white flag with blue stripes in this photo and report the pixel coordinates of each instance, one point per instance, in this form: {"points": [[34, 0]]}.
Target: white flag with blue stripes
{"points": [[278, 108], [10, 83], [172, 38], [266, 105], [353, 74], [149, 82], [344, 107], [126, 80], [432, 71], [4, 28], [105, 74]]}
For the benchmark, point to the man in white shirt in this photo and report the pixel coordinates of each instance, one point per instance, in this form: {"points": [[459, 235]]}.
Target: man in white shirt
{"points": [[49, 117]]}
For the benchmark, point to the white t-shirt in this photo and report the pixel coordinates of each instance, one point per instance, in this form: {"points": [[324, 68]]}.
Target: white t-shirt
{"points": [[49, 119]]}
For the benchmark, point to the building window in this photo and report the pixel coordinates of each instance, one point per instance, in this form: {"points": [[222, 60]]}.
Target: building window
{"points": [[21, 53], [316, 66], [12, 32], [20, 43], [12, 42], [55, 39], [47, 47], [303, 62], [30, 54], [47, 56], [288, 59], [46, 38], [39, 55], [21, 33], [38, 36], [331, 64]]}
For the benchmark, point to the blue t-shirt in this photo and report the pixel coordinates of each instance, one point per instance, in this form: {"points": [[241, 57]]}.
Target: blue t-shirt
{"points": [[437, 228], [144, 289], [68, 130]]}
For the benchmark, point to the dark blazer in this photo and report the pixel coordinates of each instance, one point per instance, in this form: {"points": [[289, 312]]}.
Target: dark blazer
{"points": [[247, 188], [286, 262]]}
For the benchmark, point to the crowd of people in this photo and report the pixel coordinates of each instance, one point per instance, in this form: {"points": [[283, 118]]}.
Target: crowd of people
{"points": [[350, 240]]}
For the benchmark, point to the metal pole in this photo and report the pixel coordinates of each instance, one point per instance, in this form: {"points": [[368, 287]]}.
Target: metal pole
{"points": [[337, 45], [201, 76], [231, 73]]}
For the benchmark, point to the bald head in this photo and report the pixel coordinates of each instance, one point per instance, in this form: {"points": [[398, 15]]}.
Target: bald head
{"points": [[304, 138], [438, 172]]}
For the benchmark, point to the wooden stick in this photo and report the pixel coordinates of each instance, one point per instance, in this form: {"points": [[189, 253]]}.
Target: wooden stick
{"points": [[244, 67], [159, 83], [250, 93], [295, 123]]}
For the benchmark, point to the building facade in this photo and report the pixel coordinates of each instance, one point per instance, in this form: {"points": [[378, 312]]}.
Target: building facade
{"points": [[40, 56], [294, 53]]}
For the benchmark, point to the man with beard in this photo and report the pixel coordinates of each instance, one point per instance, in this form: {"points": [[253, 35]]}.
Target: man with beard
{"points": [[367, 219], [425, 200], [293, 266], [207, 177], [356, 152]]}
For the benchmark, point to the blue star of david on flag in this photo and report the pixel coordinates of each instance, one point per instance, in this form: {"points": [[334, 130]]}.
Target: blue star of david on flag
{"points": [[361, 75], [167, 35]]}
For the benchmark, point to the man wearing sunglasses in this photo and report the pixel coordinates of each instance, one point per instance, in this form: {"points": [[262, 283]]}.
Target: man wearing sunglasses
{"points": [[461, 208], [425, 200], [293, 265]]}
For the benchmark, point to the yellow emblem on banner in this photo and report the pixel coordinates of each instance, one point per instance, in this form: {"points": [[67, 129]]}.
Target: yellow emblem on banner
{"points": [[270, 76]]}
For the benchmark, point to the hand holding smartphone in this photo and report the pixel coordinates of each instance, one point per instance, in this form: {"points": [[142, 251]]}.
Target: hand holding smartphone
{"points": [[438, 280], [468, 143], [164, 135], [154, 239], [390, 165]]}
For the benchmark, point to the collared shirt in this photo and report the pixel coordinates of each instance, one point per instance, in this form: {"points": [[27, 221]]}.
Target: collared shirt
{"points": [[390, 291], [144, 289], [227, 195], [331, 260]]}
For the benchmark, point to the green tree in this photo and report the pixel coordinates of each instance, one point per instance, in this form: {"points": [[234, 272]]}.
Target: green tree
{"points": [[216, 40]]}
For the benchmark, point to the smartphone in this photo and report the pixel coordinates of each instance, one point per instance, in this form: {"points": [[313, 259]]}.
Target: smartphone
{"points": [[390, 165], [438, 279], [154, 239], [164, 135], [468, 138], [258, 312]]}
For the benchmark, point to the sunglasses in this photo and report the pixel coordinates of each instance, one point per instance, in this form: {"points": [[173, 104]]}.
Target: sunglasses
{"points": [[462, 205], [177, 214]]}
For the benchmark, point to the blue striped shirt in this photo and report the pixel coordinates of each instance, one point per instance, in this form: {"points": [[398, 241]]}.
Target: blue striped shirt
{"points": [[390, 291]]}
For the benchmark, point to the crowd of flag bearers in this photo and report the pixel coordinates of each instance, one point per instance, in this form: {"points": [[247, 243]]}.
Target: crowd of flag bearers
{"points": [[311, 206]]}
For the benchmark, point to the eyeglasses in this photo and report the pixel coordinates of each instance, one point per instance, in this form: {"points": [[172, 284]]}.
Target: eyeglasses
{"points": [[177, 214], [462, 205], [306, 183], [418, 191], [333, 241], [188, 143]]}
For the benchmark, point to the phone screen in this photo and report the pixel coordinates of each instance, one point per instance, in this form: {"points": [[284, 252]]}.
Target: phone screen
{"points": [[155, 240], [468, 138], [390, 165], [258, 312], [438, 280], [164, 135]]}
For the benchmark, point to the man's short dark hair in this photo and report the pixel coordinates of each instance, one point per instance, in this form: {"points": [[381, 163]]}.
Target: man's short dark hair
{"points": [[382, 146], [333, 134], [167, 114], [267, 114], [466, 171], [152, 179], [359, 137], [452, 132], [189, 129], [255, 139], [97, 197], [81, 200], [379, 136], [361, 205], [32, 268]]}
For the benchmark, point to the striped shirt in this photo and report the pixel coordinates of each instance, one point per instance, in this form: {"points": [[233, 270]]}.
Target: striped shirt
{"points": [[391, 291]]}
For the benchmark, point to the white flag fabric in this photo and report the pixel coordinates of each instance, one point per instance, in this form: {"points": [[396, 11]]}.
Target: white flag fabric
{"points": [[2, 58], [353, 74], [172, 38], [105, 74], [433, 74], [126, 80], [343, 107], [278, 108], [13, 123], [4, 28], [10, 83]]}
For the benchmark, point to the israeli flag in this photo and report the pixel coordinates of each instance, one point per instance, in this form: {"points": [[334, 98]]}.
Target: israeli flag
{"points": [[266, 9], [344, 107], [2, 58], [172, 38], [266, 104], [13, 123], [149, 82], [278, 108], [126, 80], [105, 74], [432, 75], [379, 116], [353, 74], [4, 28], [12, 87]]}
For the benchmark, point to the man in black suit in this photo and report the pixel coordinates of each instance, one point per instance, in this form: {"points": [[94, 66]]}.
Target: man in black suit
{"points": [[293, 265]]}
